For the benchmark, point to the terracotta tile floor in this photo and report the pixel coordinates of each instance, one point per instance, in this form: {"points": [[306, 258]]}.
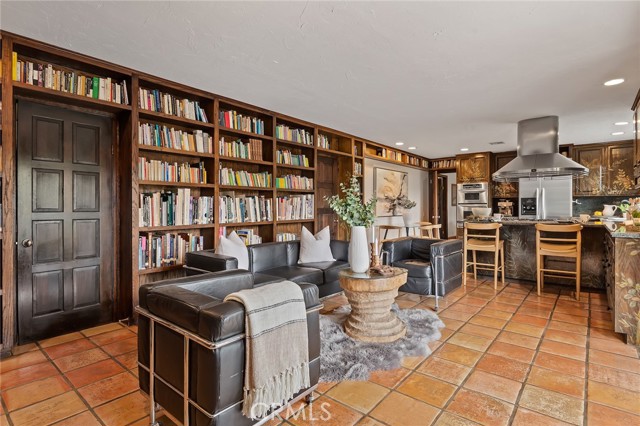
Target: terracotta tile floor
{"points": [[505, 357]]}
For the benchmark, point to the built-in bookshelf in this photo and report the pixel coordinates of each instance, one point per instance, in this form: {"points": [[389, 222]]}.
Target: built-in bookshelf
{"points": [[443, 163], [173, 144]]}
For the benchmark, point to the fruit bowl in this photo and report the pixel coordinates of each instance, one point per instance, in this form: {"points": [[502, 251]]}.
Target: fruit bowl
{"points": [[481, 212]]}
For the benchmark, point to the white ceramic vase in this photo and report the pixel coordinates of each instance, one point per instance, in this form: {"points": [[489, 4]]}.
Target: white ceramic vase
{"points": [[359, 250], [406, 217]]}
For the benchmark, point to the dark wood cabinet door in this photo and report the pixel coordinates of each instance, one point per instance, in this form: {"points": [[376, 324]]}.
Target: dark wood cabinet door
{"points": [[473, 168], [593, 157], [65, 220], [504, 189], [327, 185], [620, 169]]}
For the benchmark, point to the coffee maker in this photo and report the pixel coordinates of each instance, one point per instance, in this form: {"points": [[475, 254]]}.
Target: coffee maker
{"points": [[505, 208]]}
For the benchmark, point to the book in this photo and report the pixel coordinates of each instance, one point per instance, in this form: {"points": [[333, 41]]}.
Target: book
{"points": [[166, 103], [233, 120], [295, 135], [163, 171]]}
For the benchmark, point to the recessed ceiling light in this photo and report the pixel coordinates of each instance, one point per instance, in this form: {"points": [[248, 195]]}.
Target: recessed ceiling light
{"points": [[464, 149], [621, 123], [412, 148], [617, 133], [614, 82], [399, 143]]}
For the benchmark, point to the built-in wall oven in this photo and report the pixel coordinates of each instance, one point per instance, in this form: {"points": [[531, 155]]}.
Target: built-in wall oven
{"points": [[470, 195]]}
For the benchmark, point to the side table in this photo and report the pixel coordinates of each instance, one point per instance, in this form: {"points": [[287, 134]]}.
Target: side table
{"points": [[371, 296]]}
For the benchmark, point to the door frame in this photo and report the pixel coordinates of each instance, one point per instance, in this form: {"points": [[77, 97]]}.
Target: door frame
{"points": [[117, 177]]}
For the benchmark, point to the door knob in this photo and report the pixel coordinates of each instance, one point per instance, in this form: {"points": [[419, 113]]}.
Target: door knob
{"points": [[27, 242]]}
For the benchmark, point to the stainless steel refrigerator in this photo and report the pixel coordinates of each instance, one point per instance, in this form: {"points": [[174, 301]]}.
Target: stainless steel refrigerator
{"points": [[546, 198]]}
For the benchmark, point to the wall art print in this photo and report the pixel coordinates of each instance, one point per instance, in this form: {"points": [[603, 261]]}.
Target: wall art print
{"points": [[390, 185]]}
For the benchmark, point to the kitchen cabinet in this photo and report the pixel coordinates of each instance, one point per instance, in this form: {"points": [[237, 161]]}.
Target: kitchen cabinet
{"points": [[473, 168], [636, 126], [503, 189], [622, 278], [610, 169]]}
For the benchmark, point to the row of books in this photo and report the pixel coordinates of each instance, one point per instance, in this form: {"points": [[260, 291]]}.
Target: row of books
{"points": [[251, 150], [357, 169], [323, 141], [294, 135], [168, 137], [294, 182], [244, 178], [157, 101], [287, 157], [389, 154], [287, 236], [295, 207], [174, 208], [443, 164], [244, 208], [53, 77], [249, 236], [163, 171], [233, 120], [156, 250]]}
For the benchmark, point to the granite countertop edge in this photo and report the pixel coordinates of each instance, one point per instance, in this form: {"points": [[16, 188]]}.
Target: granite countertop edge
{"points": [[621, 232]]}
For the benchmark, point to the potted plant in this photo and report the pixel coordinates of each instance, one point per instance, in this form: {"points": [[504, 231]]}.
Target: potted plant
{"points": [[401, 204], [359, 215]]}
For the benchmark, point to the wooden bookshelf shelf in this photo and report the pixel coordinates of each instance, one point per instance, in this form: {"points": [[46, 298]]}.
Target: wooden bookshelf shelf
{"points": [[157, 270], [175, 227], [238, 224], [282, 222], [252, 135], [58, 96], [245, 188], [296, 144], [389, 160], [245, 160], [168, 118], [308, 191], [332, 151], [184, 184], [172, 151], [290, 166]]}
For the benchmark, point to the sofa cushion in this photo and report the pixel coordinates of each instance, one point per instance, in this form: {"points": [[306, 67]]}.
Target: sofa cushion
{"points": [[421, 248], [315, 248], [418, 268], [260, 279], [234, 246], [297, 274], [330, 270], [267, 255]]}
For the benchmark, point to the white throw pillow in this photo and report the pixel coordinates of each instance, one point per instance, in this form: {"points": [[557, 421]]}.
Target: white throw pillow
{"points": [[315, 248], [234, 246]]}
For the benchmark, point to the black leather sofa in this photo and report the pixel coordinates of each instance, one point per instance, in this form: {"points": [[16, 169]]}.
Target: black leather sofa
{"points": [[432, 264], [272, 262], [191, 339]]}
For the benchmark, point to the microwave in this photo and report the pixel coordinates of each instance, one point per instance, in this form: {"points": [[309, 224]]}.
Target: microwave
{"points": [[473, 193]]}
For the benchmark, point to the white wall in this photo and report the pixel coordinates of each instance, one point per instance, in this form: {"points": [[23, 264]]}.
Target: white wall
{"points": [[418, 191], [451, 210]]}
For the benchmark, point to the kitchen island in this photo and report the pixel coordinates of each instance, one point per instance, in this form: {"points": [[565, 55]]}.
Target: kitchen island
{"points": [[610, 262]]}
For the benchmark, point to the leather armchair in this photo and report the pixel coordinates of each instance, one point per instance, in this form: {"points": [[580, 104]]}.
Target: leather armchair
{"points": [[189, 338], [432, 264]]}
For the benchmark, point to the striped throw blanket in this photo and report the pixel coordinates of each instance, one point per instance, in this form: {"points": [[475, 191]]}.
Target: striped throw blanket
{"points": [[277, 350]]}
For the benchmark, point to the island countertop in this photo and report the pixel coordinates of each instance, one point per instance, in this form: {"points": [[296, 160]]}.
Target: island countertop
{"points": [[621, 231]]}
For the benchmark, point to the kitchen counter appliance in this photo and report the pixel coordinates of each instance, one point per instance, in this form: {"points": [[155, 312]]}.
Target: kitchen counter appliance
{"points": [[470, 196], [546, 198]]}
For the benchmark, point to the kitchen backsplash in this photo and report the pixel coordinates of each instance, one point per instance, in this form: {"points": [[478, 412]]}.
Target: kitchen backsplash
{"points": [[588, 205]]}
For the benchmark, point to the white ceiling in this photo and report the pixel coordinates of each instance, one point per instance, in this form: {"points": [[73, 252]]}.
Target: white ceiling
{"points": [[436, 75]]}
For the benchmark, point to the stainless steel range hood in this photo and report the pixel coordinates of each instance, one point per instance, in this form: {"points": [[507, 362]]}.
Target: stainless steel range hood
{"points": [[538, 153]]}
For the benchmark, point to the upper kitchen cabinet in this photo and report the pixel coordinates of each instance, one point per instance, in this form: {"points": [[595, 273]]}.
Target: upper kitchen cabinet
{"points": [[610, 169], [503, 189], [473, 167], [636, 127]]}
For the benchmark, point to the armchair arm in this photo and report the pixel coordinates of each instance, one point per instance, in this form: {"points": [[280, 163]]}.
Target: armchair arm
{"points": [[446, 261], [210, 261], [398, 249], [340, 250]]}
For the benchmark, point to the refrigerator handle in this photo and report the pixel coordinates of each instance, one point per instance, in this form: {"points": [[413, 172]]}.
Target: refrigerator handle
{"points": [[537, 203], [544, 209]]}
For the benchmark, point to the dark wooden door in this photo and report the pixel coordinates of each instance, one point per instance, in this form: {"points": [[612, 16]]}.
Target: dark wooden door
{"points": [[65, 220], [327, 185], [443, 206]]}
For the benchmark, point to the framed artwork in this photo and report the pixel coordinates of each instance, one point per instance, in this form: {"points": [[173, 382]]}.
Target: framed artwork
{"points": [[454, 194], [389, 185]]}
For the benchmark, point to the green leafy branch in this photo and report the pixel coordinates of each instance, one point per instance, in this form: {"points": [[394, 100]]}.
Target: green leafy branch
{"points": [[351, 208]]}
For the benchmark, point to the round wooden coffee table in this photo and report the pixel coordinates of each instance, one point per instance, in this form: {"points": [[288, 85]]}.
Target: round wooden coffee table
{"points": [[371, 296]]}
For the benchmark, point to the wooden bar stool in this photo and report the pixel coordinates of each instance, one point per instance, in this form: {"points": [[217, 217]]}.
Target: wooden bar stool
{"points": [[569, 244], [483, 239], [386, 229], [430, 231]]}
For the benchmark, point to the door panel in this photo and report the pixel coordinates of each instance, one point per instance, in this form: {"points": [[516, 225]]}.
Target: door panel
{"points": [[65, 227]]}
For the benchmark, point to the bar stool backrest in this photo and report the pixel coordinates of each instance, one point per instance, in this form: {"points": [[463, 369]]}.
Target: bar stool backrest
{"points": [[484, 231], [569, 234]]}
